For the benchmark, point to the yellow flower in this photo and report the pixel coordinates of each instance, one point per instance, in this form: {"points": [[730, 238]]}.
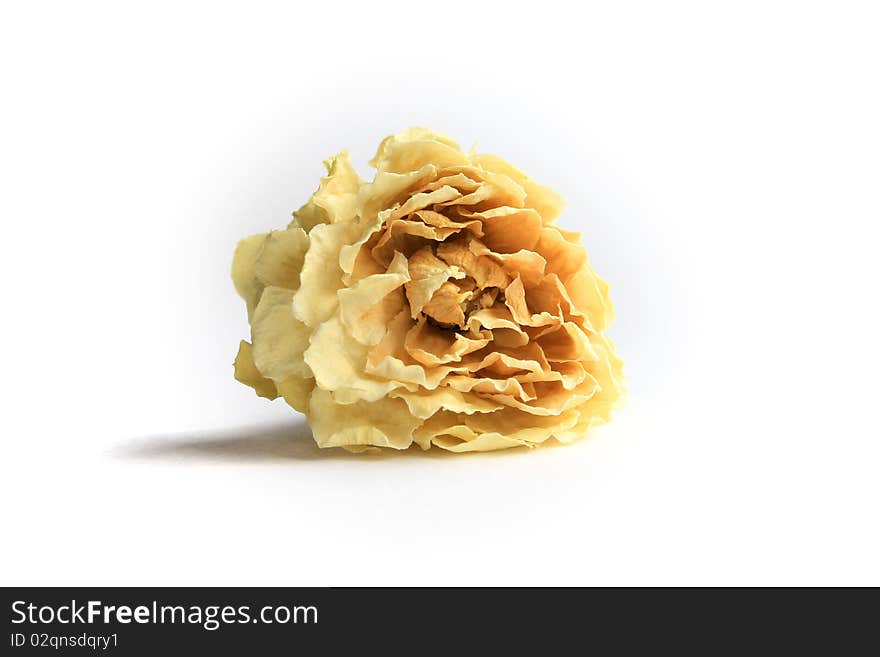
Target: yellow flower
{"points": [[438, 304]]}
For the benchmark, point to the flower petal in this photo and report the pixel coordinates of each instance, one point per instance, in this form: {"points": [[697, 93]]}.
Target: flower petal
{"points": [[413, 148], [321, 276], [338, 363], [366, 307], [279, 339], [384, 423], [280, 259], [248, 374], [336, 197], [244, 278]]}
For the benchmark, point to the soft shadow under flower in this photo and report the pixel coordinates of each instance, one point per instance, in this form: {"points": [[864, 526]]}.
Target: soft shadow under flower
{"points": [[285, 442]]}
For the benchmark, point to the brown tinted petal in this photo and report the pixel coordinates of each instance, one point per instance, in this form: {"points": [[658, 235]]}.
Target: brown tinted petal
{"points": [[515, 300], [528, 264], [430, 345], [427, 274], [485, 271], [547, 202], [508, 229], [442, 221], [563, 258], [445, 307], [407, 237]]}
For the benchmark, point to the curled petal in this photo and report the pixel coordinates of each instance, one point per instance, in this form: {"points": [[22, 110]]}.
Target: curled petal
{"points": [[424, 404], [389, 189], [413, 148], [338, 363], [547, 202], [366, 307], [336, 197]]}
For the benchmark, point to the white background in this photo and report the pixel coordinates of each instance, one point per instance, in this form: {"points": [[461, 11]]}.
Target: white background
{"points": [[721, 159]]}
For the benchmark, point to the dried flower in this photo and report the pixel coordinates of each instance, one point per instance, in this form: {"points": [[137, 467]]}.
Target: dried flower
{"points": [[438, 304]]}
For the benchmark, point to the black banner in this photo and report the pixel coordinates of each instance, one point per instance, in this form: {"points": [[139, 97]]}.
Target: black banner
{"points": [[135, 621]]}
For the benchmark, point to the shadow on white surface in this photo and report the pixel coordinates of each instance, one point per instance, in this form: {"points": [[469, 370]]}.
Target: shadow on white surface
{"points": [[246, 444], [288, 441]]}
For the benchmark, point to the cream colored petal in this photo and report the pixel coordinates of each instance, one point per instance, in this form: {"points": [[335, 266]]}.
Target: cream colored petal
{"points": [[248, 374], [390, 361], [460, 181], [358, 234], [552, 398], [391, 189], [425, 403], [296, 391], [489, 431], [438, 220], [507, 386], [521, 426], [495, 189], [336, 197], [366, 308], [338, 363], [589, 293], [244, 278], [607, 371], [280, 259], [498, 191], [487, 442], [364, 265], [422, 200], [413, 148], [321, 276], [279, 339], [407, 237], [383, 423]]}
